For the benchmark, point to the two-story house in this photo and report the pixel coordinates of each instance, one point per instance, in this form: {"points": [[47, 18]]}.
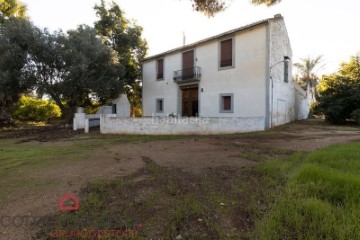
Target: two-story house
{"points": [[242, 73]]}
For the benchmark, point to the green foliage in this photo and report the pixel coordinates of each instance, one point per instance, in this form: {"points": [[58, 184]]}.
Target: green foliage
{"points": [[71, 67], [314, 109], [91, 67], [16, 38], [321, 198], [340, 92], [134, 93], [11, 8], [124, 37], [212, 7], [92, 108], [31, 109], [356, 115]]}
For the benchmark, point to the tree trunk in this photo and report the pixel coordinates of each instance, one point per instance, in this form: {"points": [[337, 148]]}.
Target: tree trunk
{"points": [[6, 102], [133, 111], [56, 98], [69, 115]]}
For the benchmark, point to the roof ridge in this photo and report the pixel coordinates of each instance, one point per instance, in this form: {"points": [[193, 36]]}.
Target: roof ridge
{"points": [[254, 24]]}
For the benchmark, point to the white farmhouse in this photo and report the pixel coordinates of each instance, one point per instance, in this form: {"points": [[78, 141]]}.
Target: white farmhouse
{"points": [[238, 81], [242, 73]]}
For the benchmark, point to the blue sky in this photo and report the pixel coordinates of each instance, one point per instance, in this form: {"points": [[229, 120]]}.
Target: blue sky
{"points": [[316, 27]]}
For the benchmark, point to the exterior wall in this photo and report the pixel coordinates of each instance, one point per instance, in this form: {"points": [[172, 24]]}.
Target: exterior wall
{"points": [[110, 124], [246, 81], [281, 93], [154, 89], [302, 103], [122, 106]]}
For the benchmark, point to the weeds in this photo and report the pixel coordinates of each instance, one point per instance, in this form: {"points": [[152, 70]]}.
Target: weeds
{"points": [[321, 198]]}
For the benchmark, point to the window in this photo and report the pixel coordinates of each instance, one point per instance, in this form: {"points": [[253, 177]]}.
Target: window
{"points": [[160, 105], [160, 69], [286, 71], [226, 53], [227, 103]]}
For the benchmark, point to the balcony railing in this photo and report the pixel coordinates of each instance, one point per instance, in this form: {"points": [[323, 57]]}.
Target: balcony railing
{"points": [[187, 74]]}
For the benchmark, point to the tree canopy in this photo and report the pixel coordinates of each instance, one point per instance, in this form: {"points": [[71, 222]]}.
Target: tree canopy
{"points": [[124, 36], [211, 7], [69, 67], [73, 68], [12, 8], [339, 93], [16, 36]]}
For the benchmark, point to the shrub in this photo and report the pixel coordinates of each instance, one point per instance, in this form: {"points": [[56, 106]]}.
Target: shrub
{"points": [[31, 109], [93, 108], [356, 115]]}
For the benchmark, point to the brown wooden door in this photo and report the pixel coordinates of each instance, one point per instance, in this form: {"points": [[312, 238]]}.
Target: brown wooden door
{"points": [[188, 64], [190, 101]]}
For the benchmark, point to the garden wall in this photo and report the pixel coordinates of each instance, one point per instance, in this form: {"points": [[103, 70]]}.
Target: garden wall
{"points": [[110, 124]]}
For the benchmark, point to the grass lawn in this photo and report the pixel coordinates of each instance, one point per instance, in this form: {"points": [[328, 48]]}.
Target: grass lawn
{"points": [[321, 197]]}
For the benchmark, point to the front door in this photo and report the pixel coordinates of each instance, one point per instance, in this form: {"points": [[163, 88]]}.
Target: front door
{"points": [[188, 65], [190, 100]]}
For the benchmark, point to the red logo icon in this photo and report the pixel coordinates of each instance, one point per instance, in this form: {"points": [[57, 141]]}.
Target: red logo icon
{"points": [[69, 197]]}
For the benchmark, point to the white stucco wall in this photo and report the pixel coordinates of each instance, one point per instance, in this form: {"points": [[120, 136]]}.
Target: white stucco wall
{"points": [[247, 80], [110, 124], [302, 103], [281, 93], [166, 89], [122, 106]]}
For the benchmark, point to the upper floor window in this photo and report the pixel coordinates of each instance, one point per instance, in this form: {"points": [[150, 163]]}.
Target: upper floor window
{"points": [[226, 53], [286, 71], [160, 69]]}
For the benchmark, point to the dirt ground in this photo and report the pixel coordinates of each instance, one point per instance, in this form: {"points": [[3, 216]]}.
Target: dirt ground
{"points": [[193, 154]]}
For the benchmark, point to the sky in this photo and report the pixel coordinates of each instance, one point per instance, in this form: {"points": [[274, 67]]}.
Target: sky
{"points": [[315, 27]]}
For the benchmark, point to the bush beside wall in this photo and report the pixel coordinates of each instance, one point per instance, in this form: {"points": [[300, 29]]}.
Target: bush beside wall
{"points": [[31, 109]]}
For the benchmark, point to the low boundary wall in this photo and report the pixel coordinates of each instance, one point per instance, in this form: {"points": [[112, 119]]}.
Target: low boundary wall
{"points": [[83, 121], [110, 124]]}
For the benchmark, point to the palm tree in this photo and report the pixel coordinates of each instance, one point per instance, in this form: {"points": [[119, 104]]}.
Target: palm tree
{"points": [[307, 69], [12, 8]]}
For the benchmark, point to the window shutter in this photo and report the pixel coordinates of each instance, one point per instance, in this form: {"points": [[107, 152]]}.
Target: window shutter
{"points": [[227, 103], [160, 70], [286, 71], [188, 64], [226, 53]]}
